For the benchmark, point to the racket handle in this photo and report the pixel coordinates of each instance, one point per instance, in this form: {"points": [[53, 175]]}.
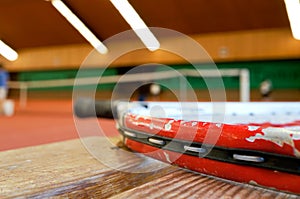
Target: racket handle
{"points": [[86, 107]]}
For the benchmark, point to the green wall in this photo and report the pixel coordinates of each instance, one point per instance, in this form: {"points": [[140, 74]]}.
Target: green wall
{"points": [[284, 74], [65, 74]]}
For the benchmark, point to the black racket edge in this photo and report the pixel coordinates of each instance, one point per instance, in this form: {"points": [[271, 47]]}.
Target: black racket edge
{"points": [[87, 108]]}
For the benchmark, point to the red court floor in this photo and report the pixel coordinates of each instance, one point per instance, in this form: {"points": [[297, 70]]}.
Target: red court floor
{"points": [[43, 121]]}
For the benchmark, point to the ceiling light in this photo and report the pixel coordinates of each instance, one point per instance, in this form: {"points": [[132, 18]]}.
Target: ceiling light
{"points": [[8, 52], [79, 25], [136, 23], [293, 11]]}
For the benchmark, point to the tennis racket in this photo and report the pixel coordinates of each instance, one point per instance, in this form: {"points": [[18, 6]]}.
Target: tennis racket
{"points": [[254, 142]]}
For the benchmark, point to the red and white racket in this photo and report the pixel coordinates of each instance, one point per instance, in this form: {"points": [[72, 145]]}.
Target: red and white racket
{"points": [[255, 142]]}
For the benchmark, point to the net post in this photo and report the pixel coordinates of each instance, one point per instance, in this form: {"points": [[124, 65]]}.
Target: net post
{"points": [[244, 85], [23, 94]]}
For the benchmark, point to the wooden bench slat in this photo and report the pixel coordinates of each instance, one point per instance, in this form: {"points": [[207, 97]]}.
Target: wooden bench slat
{"points": [[67, 170]]}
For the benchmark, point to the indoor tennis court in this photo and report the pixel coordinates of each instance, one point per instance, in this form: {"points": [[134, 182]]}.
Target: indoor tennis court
{"points": [[199, 100]]}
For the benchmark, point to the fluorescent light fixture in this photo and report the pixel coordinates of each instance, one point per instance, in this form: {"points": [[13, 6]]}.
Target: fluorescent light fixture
{"points": [[8, 52], [79, 25], [136, 23], [293, 11]]}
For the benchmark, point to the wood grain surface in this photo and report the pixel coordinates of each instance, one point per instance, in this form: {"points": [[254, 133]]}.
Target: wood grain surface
{"points": [[67, 170]]}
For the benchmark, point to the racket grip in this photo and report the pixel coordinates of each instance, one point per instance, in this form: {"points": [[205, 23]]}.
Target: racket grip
{"points": [[86, 107]]}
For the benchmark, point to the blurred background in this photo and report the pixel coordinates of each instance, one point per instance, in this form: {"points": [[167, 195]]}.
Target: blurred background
{"points": [[254, 35]]}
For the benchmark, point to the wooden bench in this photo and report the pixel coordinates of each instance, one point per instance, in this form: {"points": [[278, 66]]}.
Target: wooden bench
{"points": [[67, 170]]}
